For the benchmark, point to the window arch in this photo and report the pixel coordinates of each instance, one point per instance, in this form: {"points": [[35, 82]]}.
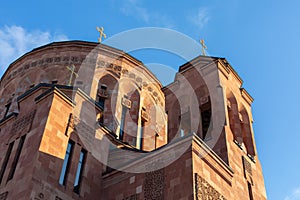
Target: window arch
{"points": [[132, 117], [173, 112], [148, 120], [184, 118], [205, 111], [233, 118], [127, 110], [246, 132], [106, 97]]}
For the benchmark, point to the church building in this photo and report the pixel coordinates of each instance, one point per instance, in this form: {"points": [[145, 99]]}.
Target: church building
{"points": [[83, 120]]}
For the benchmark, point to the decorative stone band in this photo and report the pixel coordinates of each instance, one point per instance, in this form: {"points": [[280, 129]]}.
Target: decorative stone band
{"points": [[77, 60], [64, 60], [154, 185]]}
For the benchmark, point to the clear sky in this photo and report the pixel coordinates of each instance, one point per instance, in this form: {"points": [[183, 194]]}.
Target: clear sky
{"points": [[259, 38]]}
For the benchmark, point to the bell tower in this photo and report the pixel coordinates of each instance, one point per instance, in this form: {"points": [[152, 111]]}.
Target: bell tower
{"points": [[207, 100]]}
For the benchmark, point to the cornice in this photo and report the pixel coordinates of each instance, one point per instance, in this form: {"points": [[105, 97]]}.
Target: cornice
{"points": [[226, 67], [246, 96]]}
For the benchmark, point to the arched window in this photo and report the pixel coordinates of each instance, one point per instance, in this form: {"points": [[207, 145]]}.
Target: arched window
{"points": [[205, 110], [148, 121], [247, 133], [130, 117], [185, 123], [204, 103], [173, 111], [127, 110], [233, 118], [106, 98], [141, 132]]}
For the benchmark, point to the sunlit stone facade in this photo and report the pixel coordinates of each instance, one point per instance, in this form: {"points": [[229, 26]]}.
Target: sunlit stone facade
{"points": [[109, 130]]}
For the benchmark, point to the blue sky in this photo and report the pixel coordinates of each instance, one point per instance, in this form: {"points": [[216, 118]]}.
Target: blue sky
{"points": [[261, 40]]}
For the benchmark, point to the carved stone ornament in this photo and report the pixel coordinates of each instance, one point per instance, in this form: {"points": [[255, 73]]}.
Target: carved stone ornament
{"points": [[154, 185], [145, 115], [247, 170], [205, 191], [126, 102]]}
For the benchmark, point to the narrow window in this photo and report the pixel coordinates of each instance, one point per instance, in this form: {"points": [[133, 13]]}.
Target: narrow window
{"points": [[101, 102], [122, 125], [66, 164], [250, 191], [5, 161], [205, 117], [102, 95], [142, 127], [16, 159], [79, 171]]}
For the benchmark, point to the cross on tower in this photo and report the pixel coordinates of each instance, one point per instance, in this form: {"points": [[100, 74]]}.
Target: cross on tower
{"points": [[203, 47], [101, 31], [72, 70]]}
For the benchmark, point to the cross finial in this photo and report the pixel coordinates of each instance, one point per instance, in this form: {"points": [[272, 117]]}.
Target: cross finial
{"points": [[72, 70], [203, 47], [101, 31]]}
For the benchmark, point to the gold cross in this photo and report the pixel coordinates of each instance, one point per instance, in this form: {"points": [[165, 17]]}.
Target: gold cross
{"points": [[72, 70], [101, 31], [203, 47]]}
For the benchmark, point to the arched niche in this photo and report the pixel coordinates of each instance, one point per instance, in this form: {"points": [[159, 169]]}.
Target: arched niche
{"points": [[132, 117], [246, 132], [233, 117], [127, 110], [205, 111], [107, 91], [173, 112], [148, 124], [185, 118]]}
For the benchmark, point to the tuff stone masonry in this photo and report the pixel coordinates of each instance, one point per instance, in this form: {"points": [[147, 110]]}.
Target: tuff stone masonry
{"points": [[115, 133]]}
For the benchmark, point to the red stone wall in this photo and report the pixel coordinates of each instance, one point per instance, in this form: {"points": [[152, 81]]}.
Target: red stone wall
{"points": [[221, 158]]}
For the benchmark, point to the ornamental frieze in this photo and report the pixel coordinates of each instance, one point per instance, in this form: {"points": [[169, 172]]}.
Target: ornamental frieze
{"points": [[78, 60], [205, 191]]}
